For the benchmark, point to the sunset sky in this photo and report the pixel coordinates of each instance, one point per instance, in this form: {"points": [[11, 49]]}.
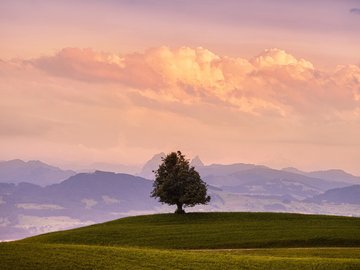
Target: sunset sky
{"points": [[271, 82]]}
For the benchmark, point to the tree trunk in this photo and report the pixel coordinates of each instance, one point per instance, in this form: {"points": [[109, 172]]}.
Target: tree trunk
{"points": [[179, 209]]}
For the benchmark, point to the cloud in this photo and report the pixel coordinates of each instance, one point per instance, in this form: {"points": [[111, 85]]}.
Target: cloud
{"points": [[163, 67], [81, 64], [88, 106], [355, 11], [275, 57], [274, 81]]}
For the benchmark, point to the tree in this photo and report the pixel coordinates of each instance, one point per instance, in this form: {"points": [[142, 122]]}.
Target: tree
{"points": [[178, 183]]}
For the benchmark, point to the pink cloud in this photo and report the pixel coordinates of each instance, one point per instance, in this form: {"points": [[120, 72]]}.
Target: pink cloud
{"points": [[82, 64], [272, 81], [91, 105]]}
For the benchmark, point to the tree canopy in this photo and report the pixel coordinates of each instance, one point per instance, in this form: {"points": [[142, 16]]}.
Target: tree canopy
{"points": [[178, 183]]}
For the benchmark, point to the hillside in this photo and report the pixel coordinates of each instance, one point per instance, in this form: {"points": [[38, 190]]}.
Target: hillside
{"points": [[87, 198], [196, 241], [350, 195], [214, 231], [82, 199]]}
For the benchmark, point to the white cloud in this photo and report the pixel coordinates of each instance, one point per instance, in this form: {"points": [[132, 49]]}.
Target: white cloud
{"points": [[37, 206], [89, 203]]}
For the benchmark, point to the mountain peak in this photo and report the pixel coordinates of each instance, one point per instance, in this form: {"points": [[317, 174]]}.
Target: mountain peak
{"points": [[38, 163], [152, 164], [99, 172], [292, 170], [196, 162], [159, 155], [14, 162]]}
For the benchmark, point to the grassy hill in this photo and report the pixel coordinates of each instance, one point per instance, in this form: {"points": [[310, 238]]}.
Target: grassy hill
{"points": [[214, 231], [196, 241]]}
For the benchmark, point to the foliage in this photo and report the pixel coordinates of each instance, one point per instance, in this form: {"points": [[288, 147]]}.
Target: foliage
{"points": [[178, 183]]}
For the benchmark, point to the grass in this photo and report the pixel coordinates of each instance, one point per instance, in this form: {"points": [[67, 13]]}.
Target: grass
{"points": [[195, 241], [59, 256], [215, 231]]}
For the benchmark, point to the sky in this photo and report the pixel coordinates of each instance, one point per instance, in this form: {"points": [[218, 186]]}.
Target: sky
{"points": [[268, 82]]}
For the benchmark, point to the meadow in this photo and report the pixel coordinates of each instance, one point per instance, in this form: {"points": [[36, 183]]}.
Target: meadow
{"points": [[195, 241]]}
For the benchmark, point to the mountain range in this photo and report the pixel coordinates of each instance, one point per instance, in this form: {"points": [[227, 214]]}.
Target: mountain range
{"points": [[345, 195], [36, 197], [33, 171], [81, 199], [335, 175]]}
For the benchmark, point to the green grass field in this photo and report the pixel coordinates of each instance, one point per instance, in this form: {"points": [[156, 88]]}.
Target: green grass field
{"points": [[195, 241]]}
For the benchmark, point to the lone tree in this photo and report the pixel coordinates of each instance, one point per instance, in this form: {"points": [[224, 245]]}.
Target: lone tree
{"points": [[178, 183]]}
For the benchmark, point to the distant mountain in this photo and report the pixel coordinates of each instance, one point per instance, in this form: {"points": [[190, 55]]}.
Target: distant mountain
{"points": [[293, 170], [350, 194], [110, 167], [33, 171], [86, 198], [196, 162], [82, 199], [209, 170], [335, 175], [123, 192], [89, 191], [266, 181], [254, 179], [151, 165], [227, 169]]}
